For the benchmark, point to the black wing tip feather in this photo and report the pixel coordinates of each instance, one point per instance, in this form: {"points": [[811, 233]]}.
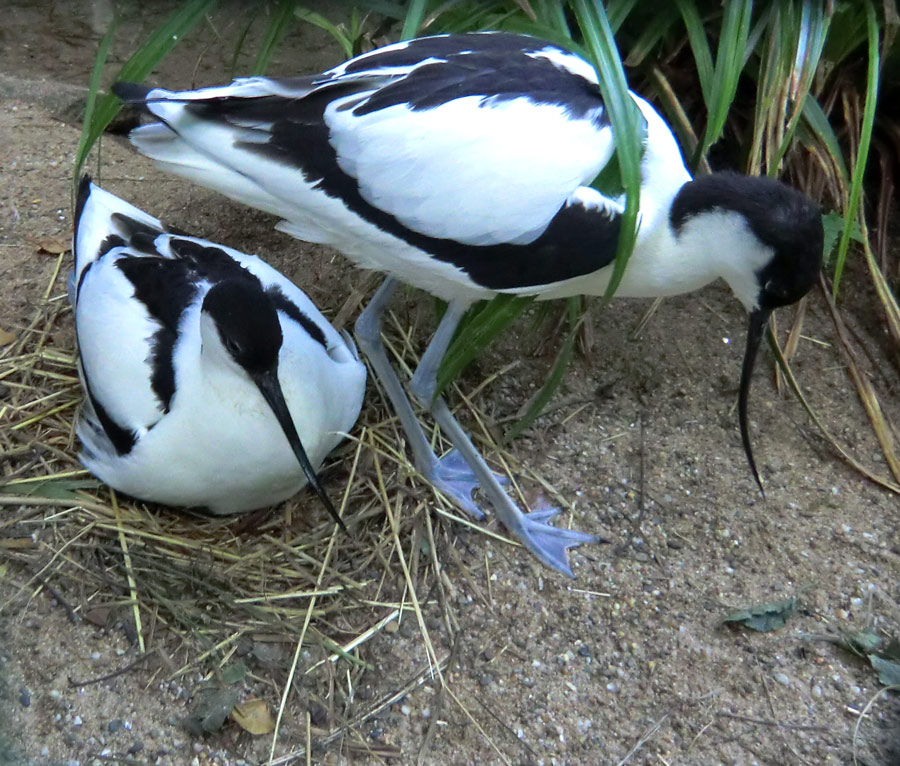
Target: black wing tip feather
{"points": [[132, 93], [81, 197]]}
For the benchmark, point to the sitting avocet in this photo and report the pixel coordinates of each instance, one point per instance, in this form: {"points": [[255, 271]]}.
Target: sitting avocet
{"points": [[462, 164], [210, 379]]}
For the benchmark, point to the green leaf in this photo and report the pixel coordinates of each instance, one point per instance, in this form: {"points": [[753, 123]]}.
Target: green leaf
{"points": [[763, 617], [888, 671], [862, 642], [210, 709], [891, 651], [235, 672], [833, 224]]}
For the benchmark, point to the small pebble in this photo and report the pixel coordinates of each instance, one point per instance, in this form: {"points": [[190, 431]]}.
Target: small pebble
{"points": [[76, 721], [318, 715], [25, 697], [136, 748], [114, 725], [783, 679], [675, 545], [584, 651]]}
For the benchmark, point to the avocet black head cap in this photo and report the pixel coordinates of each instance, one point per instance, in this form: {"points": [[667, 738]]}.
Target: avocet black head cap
{"points": [[248, 326], [247, 323], [789, 225]]}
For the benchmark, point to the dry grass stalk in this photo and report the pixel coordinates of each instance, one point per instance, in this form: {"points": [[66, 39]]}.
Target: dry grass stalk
{"points": [[195, 591]]}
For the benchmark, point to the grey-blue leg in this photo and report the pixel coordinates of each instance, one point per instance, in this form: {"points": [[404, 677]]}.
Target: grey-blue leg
{"points": [[451, 476], [547, 542], [456, 478]]}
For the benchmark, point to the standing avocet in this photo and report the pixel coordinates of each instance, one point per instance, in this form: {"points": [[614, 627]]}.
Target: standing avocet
{"points": [[210, 379], [462, 164]]}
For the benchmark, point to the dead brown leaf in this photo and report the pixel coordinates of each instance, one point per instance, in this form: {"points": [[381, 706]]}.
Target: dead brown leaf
{"points": [[61, 243], [253, 716], [6, 337]]}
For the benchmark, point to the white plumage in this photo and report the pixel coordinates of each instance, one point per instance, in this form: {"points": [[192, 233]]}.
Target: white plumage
{"points": [[172, 413]]}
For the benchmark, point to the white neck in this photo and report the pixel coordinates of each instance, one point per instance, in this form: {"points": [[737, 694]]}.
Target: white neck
{"points": [[710, 245]]}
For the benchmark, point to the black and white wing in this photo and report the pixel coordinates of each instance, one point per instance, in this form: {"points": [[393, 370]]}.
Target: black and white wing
{"points": [[444, 142]]}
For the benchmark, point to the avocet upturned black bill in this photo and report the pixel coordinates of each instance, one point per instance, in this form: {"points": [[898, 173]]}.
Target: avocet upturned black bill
{"points": [[210, 379]]}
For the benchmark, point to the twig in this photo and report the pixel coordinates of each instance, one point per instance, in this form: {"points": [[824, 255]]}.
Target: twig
{"points": [[645, 737], [114, 674], [70, 610], [770, 722]]}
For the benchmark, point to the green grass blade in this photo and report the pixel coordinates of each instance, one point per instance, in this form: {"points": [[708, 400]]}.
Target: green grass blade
{"points": [[281, 20], [814, 26], [617, 11], [772, 79], [865, 141], [395, 11], [415, 15], [318, 20], [483, 323], [554, 379], [239, 47], [141, 63], [693, 25], [85, 141], [820, 131], [552, 14], [648, 42], [730, 57], [626, 123]]}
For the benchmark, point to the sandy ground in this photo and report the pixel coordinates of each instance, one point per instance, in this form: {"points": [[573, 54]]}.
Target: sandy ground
{"points": [[625, 664]]}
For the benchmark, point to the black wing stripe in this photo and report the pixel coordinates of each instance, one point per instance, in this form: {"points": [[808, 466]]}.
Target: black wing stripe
{"points": [[122, 439], [285, 304], [577, 241]]}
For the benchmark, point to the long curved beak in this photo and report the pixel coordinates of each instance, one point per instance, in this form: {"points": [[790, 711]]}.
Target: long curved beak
{"points": [[759, 319], [270, 388]]}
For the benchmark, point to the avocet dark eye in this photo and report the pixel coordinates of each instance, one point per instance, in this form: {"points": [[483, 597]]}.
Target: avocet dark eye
{"points": [[773, 288], [231, 346]]}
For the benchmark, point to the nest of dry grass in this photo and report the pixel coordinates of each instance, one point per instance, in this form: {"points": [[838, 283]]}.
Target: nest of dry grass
{"points": [[198, 595]]}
